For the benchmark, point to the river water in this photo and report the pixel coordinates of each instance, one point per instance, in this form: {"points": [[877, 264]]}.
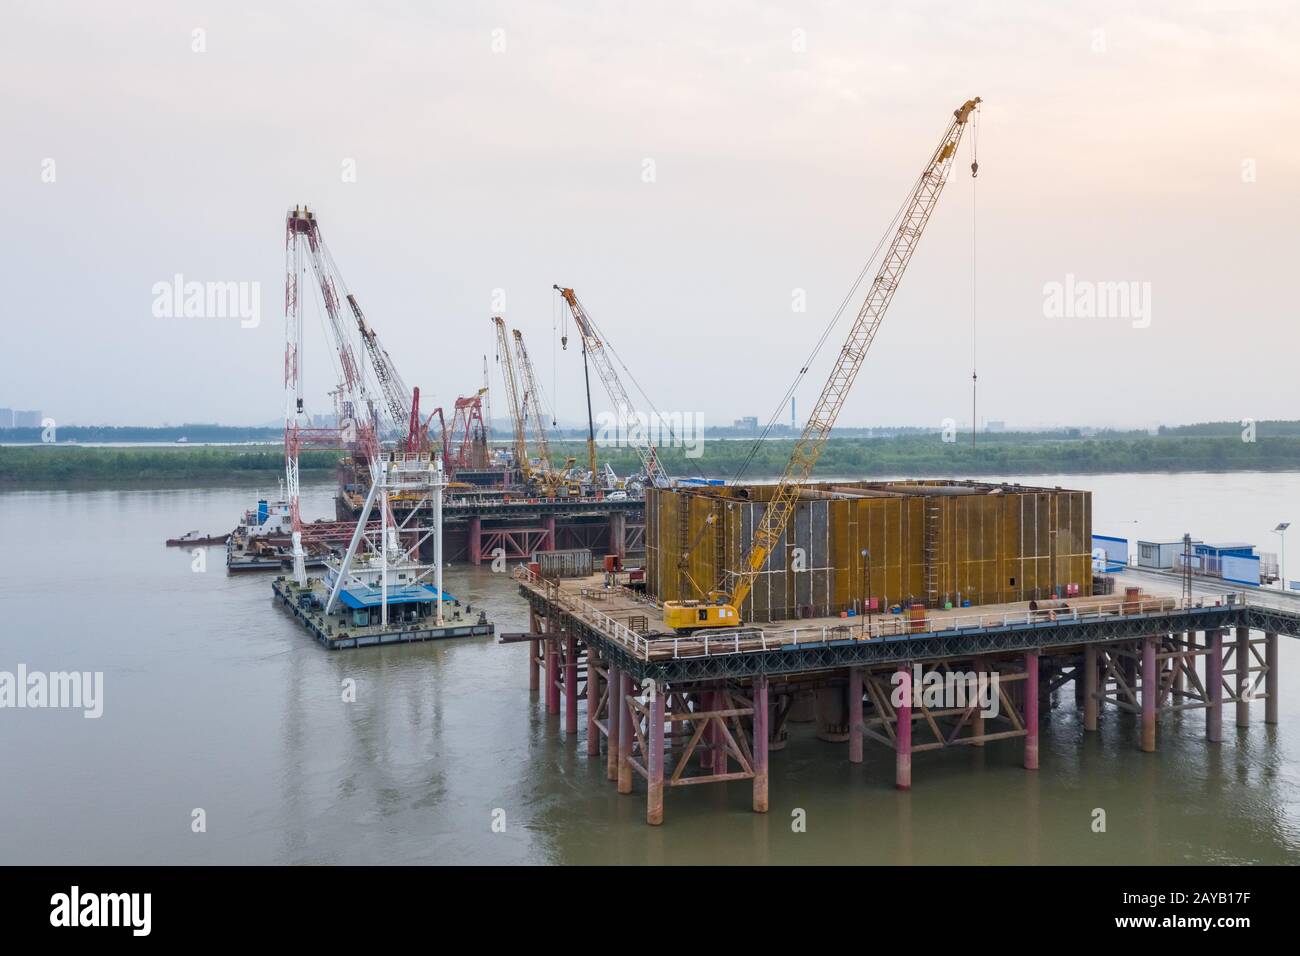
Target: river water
{"points": [[215, 700]]}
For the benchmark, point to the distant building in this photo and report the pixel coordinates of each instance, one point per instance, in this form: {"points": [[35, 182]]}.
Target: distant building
{"points": [[1234, 561], [1109, 553], [17, 418], [748, 423], [1160, 554], [995, 426]]}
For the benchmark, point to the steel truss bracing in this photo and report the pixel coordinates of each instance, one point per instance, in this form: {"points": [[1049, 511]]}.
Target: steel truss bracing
{"points": [[669, 730], [515, 542], [592, 536], [964, 725], [1183, 678]]}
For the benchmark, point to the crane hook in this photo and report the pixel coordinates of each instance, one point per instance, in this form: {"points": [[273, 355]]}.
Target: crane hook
{"points": [[974, 170]]}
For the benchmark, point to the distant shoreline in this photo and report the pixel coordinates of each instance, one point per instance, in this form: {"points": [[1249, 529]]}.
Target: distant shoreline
{"points": [[67, 466]]}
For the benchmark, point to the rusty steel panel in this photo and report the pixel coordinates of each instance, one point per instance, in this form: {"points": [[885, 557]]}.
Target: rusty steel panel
{"points": [[992, 544]]}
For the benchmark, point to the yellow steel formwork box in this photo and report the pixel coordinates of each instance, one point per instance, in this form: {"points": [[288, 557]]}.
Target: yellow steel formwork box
{"points": [[932, 542]]}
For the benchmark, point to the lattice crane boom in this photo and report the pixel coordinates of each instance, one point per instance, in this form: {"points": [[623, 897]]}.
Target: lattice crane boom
{"points": [[397, 397], [655, 474], [505, 355], [812, 441], [532, 402], [303, 245]]}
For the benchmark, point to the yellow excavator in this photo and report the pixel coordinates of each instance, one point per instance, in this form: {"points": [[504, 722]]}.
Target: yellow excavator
{"points": [[721, 608]]}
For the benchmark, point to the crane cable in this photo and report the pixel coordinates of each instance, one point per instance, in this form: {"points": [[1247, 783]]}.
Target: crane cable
{"points": [[974, 272], [830, 326], [664, 422]]}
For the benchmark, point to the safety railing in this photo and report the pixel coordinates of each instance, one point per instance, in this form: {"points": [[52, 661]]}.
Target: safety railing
{"points": [[586, 611], [754, 638]]}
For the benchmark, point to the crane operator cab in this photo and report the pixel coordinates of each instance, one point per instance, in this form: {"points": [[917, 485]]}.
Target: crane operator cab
{"points": [[684, 617]]}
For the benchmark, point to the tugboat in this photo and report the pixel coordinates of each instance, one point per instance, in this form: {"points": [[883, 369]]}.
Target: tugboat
{"points": [[260, 540]]}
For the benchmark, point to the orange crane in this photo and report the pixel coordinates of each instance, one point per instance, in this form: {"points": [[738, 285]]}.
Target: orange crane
{"points": [[721, 609]]}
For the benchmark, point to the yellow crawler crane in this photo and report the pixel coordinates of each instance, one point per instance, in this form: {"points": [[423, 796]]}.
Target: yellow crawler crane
{"points": [[721, 608]]}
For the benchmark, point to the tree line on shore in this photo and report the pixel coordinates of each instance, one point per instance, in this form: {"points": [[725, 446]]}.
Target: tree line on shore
{"points": [[920, 455]]}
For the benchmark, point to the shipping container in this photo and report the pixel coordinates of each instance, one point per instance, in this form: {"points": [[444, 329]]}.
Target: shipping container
{"points": [[575, 563]]}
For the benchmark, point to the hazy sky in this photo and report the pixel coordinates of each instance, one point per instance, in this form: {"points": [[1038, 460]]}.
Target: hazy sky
{"points": [[1147, 143]]}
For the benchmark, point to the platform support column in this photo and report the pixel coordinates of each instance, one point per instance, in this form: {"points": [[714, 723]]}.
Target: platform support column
{"points": [[654, 811], [548, 523], [855, 714], [1241, 680], [618, 533], [1214, 686], [977, 715], [571, 685], [717, 738], [1270, 678], [1180, 678], [1090, 687], [552, 651], [612, 712], [760, 743], [903, 763], [1031, 710], [593, 703], [534, 649], [625, 719], [475, 540], [1150, 691]]}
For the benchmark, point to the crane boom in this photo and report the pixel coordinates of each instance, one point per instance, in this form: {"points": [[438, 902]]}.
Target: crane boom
{"points": [[916, 214], [396, 395], [304, 244], [512, 397], [532, 403], [655, 475]]}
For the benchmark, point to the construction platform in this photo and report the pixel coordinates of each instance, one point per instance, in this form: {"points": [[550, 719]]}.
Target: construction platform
{"points": [[337, 632], [710, 707], [479, 528]]}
